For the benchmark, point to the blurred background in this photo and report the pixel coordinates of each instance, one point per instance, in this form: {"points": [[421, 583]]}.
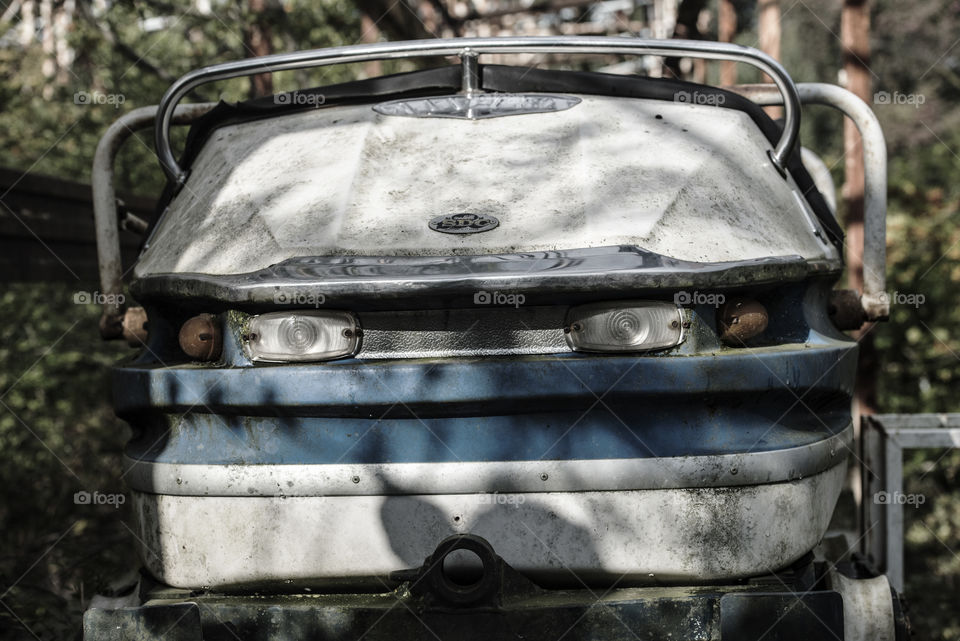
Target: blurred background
{"points": [[68, 68]]}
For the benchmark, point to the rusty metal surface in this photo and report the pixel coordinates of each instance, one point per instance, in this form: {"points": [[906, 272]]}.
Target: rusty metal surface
{"points": [[201, 337], [846, 309], [741, 319], [134, 324]]}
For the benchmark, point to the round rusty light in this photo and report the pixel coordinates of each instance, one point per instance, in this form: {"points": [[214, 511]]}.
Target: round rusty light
{"points": [[740, 320], [201, 338]]}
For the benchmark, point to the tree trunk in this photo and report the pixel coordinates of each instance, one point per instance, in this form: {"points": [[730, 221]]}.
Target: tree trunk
{"points": [[257, 42], [855, 38], [726, 30], [686, 28], [768, 26], [369, 33]]}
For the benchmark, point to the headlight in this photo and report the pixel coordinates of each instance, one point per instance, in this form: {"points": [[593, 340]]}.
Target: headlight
{"points": [[629, 326], [284, 337]]}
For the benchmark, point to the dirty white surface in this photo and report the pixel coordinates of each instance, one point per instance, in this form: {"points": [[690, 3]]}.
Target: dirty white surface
{"points": [[867, 607], [689, 181], [676, 535]]}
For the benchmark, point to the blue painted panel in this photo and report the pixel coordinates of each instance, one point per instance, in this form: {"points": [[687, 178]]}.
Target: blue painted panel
{"points": [[615, 432], [480, 387], [490, 410]]}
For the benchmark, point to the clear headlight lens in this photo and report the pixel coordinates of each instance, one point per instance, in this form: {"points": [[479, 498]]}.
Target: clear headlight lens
{"points": [[628, 326], [285, 337]]}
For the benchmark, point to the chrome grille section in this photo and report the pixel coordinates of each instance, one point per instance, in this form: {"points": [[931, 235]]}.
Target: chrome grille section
{"points": [[483, 331]]}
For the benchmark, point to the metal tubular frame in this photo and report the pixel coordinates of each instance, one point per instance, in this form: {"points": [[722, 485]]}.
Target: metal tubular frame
{"points": [[105, 195], [884, 437], [467, 49], [875, 300]]}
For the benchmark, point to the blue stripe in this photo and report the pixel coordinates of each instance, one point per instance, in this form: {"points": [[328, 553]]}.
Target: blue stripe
{"points": [[490, 410]]}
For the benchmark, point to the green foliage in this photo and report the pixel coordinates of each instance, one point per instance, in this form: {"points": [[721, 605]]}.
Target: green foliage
{"points": [[58, 436], [43, 129]]}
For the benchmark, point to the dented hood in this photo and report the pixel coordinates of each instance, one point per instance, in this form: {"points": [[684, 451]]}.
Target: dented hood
{"points": [[688, 181]]}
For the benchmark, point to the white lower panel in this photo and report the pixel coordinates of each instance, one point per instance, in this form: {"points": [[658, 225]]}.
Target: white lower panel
{"points": [[558, 538], [867, 608]]}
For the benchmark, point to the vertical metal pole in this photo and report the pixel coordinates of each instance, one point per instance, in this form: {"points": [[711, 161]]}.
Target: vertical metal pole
{"points": [[873, 525], [470, 71], [893, 485]]}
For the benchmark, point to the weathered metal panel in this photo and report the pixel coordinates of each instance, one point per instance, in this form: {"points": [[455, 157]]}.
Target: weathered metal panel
{"points": [[249, 467], [425, 282], [672, 536], [689, 181]]}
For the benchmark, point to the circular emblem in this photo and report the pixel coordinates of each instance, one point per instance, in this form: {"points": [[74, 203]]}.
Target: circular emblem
{"points": [[463, 223]]}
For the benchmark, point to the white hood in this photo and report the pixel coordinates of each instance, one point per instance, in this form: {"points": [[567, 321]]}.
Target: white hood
{"points": [[688, 181]]}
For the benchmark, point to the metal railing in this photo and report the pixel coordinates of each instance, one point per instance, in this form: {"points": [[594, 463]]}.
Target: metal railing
{"points": [[105, 204], [884, 437], [874, 300]]}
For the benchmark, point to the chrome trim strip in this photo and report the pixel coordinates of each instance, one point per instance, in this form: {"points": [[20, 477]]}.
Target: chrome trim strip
{"points": [[580, 275], [723, 470], [476, 106]]}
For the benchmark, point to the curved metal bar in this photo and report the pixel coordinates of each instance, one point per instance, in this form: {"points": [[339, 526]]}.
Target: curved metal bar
{"points": [[458, 46], [105, 197], [875, 300]]}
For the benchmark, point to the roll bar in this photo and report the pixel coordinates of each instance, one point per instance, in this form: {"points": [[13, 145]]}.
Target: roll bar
{"points": [[105, 205], [874, 300], [468, 49]]}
